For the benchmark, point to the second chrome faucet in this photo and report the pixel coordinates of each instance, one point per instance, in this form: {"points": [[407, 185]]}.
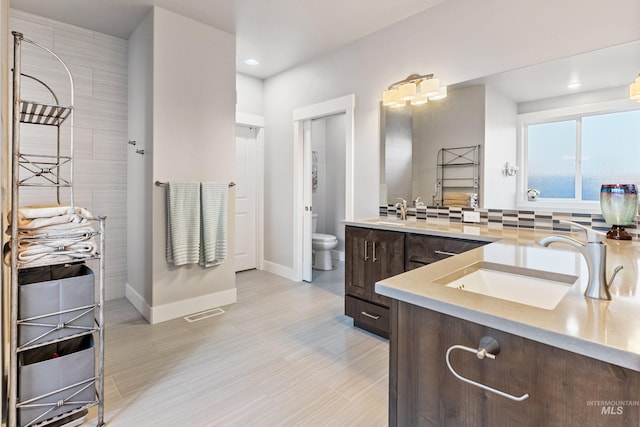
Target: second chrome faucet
{"points": [[594, 251]]}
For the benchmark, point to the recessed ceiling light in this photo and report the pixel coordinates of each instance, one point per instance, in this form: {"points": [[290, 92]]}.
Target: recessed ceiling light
{"points": [[251, 61], [573, 85]]}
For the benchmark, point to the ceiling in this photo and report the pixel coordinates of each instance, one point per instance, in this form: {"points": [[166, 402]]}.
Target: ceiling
{"points": [[278, 33], [596, 70]]}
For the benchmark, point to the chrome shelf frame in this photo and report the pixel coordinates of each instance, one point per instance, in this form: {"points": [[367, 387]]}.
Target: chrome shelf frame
{"points": [[44, 171], [457, 169]]}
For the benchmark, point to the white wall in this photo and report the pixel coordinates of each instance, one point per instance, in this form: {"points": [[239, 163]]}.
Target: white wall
{"points": [[458, 40], [250, 99], [193, 140], [498, 191], [139, 168], [183, 113], [98, 63], [500, 147], [398, 156]]}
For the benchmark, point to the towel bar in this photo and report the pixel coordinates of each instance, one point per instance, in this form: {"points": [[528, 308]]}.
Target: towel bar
{"points": [[166, 184], [488, 348]]}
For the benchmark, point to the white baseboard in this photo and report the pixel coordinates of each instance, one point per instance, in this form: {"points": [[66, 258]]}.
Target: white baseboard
{"points": [[181, 308], [280, 270], [138, 302]]}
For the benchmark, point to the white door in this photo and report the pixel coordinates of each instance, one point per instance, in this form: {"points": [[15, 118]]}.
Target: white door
{"points": [[307, 254], [246, 195]]}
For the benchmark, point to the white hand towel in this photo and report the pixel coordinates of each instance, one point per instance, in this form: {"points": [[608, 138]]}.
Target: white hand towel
{"points": [[183, 223], [214, 223]]}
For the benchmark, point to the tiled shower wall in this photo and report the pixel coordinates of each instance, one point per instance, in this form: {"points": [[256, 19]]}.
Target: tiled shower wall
{"points": [[98, 63], [498, 218]]}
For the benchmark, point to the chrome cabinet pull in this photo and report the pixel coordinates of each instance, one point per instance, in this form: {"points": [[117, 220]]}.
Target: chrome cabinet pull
{"points": [[374, 252], [371, 316], [365, 251], [445, 253], [488, 348]]}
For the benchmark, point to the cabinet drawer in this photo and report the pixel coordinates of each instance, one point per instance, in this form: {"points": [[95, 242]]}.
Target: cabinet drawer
{"points": [[422, 250], [368, 316]]}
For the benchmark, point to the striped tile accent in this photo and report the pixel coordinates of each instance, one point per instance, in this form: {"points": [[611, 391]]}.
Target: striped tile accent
{"points": [[529, 220]]}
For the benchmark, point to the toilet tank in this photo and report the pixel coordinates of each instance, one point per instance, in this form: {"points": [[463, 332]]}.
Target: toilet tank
{"points": [[314, 222]]}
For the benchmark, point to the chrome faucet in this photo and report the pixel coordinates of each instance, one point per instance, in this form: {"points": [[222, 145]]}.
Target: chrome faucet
{"points": [[417, 202], [595, 253], [402, 207]]}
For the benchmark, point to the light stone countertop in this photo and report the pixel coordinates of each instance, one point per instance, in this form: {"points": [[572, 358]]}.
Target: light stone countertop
{"points": [[604, 330]]}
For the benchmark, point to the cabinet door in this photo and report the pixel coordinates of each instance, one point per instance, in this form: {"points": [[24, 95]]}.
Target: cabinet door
{"points": [[387, 259], [565, 389], [356, 268]]}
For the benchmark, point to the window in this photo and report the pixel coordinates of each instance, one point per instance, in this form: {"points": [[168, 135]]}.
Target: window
{"points": [[568, 158]]}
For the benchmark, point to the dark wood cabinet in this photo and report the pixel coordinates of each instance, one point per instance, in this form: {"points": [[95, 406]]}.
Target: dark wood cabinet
{"points": [[422, 250], [565, 389], [370, 256]]}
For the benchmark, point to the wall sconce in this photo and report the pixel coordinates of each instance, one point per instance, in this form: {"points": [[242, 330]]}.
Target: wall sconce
{"points": [[634, 89], [415, 89], [510, 170]]}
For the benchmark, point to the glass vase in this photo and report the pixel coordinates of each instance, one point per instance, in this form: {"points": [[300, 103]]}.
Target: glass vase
{"points": [[619, 205]]}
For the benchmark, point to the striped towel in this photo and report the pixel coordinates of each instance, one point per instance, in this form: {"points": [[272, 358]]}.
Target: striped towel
{"points": [[183, 223], [214, 223]]}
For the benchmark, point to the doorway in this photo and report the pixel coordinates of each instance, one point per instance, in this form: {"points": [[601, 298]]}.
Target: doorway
{"points": [[249, 202], [327, 187], [302, 163]]}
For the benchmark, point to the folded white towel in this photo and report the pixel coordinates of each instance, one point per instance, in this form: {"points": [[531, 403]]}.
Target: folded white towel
{"points": [[34, 255], [60, 237], [44, 211], [57, 231], [183, 223], [73, 217], [73, 250], [214, 223]]}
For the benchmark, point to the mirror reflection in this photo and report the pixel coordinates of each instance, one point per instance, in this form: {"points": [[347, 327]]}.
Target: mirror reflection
{"points": [[485, 112]]}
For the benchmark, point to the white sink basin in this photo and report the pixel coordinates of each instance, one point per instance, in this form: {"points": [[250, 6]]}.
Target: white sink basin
{"points": [[536, 288]]}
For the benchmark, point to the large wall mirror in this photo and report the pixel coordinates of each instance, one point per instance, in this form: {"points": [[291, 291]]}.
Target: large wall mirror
{"points": [[485, 112]]}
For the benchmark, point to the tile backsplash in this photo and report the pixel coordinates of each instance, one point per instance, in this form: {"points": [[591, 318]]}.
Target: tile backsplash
{"points": [[499, 218]]}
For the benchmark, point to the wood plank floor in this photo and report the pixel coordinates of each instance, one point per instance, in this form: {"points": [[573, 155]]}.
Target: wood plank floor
{"points": [[283, 355]]}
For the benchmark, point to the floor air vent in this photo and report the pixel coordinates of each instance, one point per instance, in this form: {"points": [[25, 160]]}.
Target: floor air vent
{"points": [[203, 314]]}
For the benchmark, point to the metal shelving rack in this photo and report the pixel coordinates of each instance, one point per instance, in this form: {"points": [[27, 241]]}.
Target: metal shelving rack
{"points": [[47, 171], [458, 170]]}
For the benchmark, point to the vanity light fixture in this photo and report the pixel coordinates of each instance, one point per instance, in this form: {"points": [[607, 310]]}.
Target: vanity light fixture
{"points": [[415, 89], [634, 89]]}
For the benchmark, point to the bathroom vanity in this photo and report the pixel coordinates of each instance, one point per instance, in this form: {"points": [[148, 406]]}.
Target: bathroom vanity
{"points": [[373, 254], [461, 356]]}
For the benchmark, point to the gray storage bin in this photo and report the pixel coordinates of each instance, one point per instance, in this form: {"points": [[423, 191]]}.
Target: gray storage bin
{"points": [[70, 287], [49, 370]]}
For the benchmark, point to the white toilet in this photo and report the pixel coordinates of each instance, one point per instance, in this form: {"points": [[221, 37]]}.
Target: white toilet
{"points": [[321, 246]]}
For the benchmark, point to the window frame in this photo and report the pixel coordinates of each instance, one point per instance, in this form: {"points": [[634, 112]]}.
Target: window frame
{"points": [[555, 115]]}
